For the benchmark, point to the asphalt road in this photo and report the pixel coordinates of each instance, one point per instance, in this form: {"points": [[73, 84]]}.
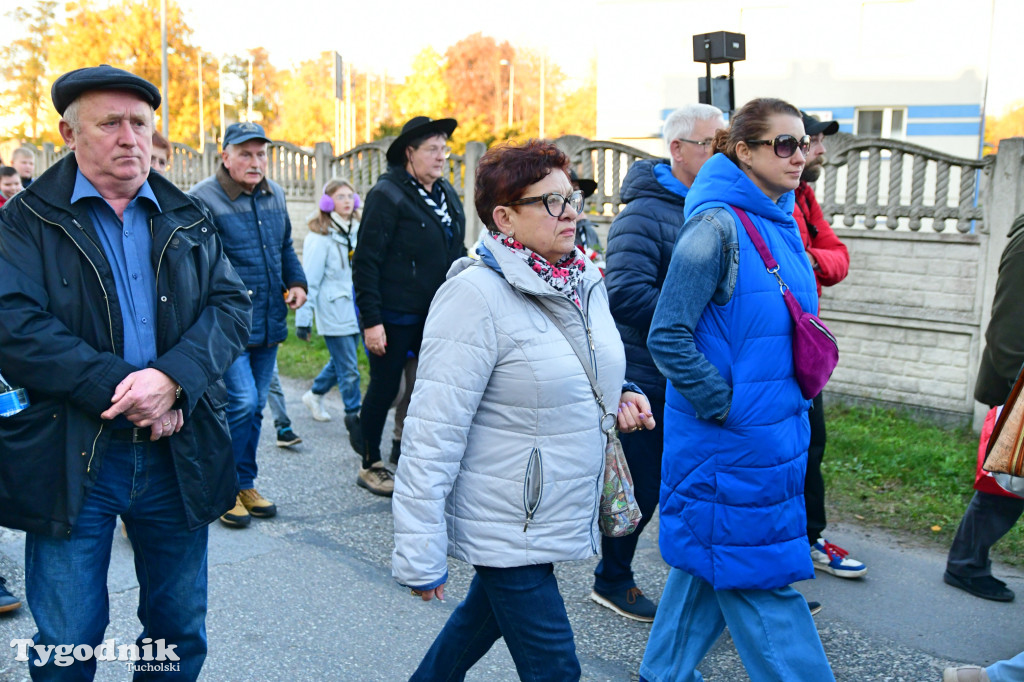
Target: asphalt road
{"points": [[309, 595]]}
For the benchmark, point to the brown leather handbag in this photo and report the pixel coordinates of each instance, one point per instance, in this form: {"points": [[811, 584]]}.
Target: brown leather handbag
{"points": [[1005, 454]]}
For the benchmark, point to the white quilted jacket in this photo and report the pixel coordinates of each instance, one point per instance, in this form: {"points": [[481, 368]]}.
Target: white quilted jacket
{"points": [[502, 450]]}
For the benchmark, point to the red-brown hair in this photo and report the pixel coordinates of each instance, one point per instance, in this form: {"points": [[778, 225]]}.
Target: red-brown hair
{"points": [[506, 170]]}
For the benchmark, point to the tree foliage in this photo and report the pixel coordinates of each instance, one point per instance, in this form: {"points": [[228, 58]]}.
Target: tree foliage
{"points": [[1010, 124], [469, 81], [23, 65]]}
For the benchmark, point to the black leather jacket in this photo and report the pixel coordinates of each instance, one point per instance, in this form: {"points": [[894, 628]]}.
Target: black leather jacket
{"points": [[61, 337], [403, 255]]}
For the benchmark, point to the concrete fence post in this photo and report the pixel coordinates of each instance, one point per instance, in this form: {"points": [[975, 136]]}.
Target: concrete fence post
{"points": [[323, 152], [474, 150], [1003, 201]]}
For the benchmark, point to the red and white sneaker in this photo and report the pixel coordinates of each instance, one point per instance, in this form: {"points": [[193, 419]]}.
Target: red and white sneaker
{"points": [[835, 560]]}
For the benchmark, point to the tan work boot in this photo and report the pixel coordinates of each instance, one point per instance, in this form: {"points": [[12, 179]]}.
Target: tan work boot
{"points": [[377, 479], [256, 504], [237, 516]]}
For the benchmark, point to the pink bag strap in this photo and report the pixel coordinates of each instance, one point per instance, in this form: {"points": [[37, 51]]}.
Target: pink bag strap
{"points": [[770, 263]]}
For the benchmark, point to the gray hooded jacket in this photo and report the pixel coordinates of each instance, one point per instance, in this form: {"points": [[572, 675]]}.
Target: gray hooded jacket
{"points": [[502, 451]]}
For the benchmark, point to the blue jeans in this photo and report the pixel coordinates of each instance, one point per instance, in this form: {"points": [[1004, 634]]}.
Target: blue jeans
{"points": [[66, 579], [1008, 670], [248, 381], [521, 604], [772, 629], [614, 573], [342, 369], [275, 400]]}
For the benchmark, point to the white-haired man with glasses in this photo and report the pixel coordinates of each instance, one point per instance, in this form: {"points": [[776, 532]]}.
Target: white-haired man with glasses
{"points": [[639, 250]]}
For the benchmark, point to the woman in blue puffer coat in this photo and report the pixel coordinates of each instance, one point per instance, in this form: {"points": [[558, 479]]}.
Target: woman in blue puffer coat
{"points": [[733, 525]]}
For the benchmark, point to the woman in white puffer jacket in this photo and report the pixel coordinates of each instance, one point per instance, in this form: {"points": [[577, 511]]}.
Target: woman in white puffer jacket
{"points": [[503, 452]]}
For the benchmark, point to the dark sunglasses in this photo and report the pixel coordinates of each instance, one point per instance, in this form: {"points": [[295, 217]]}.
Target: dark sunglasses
{"points": [[785, 146], [554, 202]]}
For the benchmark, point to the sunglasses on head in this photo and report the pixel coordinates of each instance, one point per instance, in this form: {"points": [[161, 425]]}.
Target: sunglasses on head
{"points": [[785, 146]]}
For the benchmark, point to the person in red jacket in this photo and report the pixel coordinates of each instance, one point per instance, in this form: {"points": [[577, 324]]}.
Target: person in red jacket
{"points": [[831, 262]]}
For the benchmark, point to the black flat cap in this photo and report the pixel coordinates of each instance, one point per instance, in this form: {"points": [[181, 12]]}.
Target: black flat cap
{"points": [[103, 77]]}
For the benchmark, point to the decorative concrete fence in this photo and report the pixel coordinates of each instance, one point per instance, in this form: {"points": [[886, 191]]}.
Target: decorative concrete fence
{"points": [[924, 229]]}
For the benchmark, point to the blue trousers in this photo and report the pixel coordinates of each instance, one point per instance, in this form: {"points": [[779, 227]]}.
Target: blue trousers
{"points": [[248, 382], [342, 369], [275, 401], [1010, 670], [66, 579], [772, 629], [614, 573], [521, 604]]}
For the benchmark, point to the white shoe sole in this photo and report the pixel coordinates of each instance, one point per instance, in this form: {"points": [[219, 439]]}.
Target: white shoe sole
{"points": [[598, 599], [839, 573]]}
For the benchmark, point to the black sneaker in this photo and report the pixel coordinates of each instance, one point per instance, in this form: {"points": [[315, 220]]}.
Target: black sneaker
{"points": [[984, 586], [287, 438], [630, 603], [814, 606], [396, 451], [355, 432], [8, 602]]}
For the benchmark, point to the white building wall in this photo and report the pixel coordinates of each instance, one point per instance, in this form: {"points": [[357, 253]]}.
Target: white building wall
{"points": [[928, 56]]}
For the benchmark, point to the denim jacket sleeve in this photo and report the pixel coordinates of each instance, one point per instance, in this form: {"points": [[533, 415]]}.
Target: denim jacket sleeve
{"points": [[702, 272]]}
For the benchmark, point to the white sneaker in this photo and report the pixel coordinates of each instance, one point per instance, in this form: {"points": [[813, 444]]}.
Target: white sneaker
{"points": [[315, 403]]}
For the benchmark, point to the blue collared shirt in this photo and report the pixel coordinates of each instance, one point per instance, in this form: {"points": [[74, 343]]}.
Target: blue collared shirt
{"points": [[128, 245]]}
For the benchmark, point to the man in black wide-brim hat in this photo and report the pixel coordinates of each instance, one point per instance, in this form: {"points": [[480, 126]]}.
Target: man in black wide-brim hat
{"points": [[413, 228]]}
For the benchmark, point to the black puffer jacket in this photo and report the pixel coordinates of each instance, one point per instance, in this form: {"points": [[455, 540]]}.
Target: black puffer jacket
{"points": [[640, 245], [403, 254], [1004, 339], [61, 337]]}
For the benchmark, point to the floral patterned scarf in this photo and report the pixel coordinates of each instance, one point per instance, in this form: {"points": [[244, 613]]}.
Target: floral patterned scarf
{"points": [[564, 276]]}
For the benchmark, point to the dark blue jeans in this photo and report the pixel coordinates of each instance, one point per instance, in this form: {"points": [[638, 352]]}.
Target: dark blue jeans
{"points": [[66, 579], [614, 573], [248, 382], [521, 604]]}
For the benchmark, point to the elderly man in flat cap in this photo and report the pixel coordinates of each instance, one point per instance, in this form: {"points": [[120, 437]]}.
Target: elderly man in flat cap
{"points": [[119, 313], [253, 222]]}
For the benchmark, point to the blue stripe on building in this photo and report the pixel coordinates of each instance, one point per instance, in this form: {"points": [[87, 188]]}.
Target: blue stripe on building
{"points": [[944, 111], [942, 129]]}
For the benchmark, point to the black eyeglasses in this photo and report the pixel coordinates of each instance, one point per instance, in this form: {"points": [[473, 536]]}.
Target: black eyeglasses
{"points": [[785, 146], [554, 202], [704, 144]]}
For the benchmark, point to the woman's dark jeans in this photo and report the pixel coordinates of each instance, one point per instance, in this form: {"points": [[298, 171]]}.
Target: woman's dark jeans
{"points": [[521, 604]]}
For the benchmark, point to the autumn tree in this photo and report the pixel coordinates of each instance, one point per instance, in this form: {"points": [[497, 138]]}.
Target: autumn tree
{"points": [[1010, 124], [266, 84], [575, 113], [425, 92], [306, 113], [23, 65], [476, 79], [127, 35]]}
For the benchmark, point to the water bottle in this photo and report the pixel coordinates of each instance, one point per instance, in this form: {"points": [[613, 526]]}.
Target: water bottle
{"points": [[12, 400]]}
